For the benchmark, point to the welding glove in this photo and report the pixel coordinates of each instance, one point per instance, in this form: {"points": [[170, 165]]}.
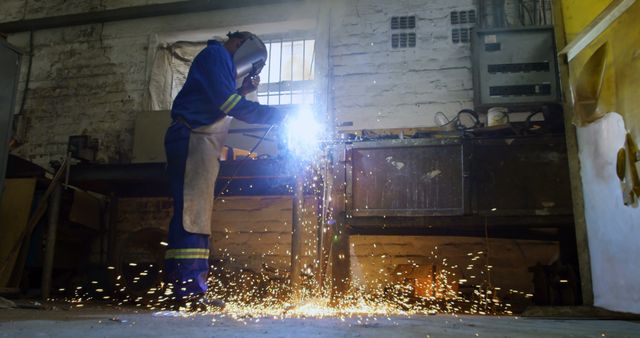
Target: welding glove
{"points": [[249, 84]]}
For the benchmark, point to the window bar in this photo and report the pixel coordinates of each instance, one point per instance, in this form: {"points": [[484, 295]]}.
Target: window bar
{"points": [[291, 77], [304, 58], [280, 73], [269, 74]]}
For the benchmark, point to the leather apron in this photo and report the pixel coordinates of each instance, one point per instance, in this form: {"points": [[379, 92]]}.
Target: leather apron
{"points": [[201, 171]]}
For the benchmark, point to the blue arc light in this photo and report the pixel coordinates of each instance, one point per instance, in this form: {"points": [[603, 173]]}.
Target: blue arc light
{"points": [[303, 133]]}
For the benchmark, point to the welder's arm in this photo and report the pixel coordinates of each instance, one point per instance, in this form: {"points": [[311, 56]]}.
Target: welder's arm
{"points": [[223, 86], [249, 84], [252, 112]]}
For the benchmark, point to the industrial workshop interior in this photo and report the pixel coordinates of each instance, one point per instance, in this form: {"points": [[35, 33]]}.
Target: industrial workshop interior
{"points": [[319, 168]]}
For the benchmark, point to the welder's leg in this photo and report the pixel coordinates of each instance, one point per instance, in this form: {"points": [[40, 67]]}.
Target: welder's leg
{"points": [[186, 261]]}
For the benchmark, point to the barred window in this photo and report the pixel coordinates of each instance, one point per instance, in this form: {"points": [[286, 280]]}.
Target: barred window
{"points": [[287, 78]]}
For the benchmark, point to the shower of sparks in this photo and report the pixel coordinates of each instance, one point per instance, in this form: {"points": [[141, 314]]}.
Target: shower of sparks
{"points": [[251, 294]]}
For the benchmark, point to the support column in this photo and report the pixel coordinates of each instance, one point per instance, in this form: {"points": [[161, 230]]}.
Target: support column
{"points": [[582, 239]]}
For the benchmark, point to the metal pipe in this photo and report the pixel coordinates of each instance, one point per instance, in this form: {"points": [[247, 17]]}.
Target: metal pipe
{"points": [[296, 235], [129, 13], [54, 213]]}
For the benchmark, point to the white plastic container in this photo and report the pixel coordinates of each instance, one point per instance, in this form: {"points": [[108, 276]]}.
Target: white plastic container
{"points": [[497, 116]]}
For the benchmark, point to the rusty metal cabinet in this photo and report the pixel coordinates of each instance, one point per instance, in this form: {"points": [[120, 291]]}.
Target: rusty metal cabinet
{"points": [[525, 176], [498, 176], [413, 177]]}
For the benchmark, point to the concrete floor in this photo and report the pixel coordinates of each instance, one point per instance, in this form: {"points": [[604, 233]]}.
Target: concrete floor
{"points": [[110, 322]]}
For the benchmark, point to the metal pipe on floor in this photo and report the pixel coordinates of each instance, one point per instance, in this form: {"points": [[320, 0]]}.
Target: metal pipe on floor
{"points": [[296, 235], [52, 229]]}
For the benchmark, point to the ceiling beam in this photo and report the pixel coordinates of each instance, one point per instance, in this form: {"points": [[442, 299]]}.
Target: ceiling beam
{"points": [[130, 13]]}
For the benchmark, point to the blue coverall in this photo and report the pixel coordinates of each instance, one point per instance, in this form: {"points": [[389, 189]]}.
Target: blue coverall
{"points": [[208, 95]]}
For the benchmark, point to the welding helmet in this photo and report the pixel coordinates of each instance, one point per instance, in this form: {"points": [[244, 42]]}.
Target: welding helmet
{"points": [[250, 57]]}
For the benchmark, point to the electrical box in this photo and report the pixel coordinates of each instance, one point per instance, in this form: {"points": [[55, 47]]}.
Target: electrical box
{"points": [[515, 68]]}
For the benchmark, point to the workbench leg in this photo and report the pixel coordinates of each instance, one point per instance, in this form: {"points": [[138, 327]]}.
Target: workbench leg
{"points": [[112, 230], [340, 261], [339, 240], [54, 215], [296, 237]]}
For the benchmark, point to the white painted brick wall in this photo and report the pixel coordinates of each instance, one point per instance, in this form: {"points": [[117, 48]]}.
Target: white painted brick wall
{"points": [[247, 232], [373, 258], [377, 86], [13, 10], [92, 79]]}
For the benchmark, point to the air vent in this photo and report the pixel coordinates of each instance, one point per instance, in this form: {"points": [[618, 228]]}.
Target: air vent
{"points": [[463, 17], [472, 16], [403, 40], [461, 35], [403, 22], [519, 67], [455, 20], [462, 22], [464, 35], [521, 90]]}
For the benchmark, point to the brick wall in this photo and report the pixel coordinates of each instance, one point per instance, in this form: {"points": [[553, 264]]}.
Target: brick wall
{"points": [[92, 80], [83, 81], [247, 232], [13, 10], [373, 258], [377, 86]]}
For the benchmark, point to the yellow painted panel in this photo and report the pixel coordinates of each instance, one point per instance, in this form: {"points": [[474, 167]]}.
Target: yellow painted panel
{"points": [[578, 14], [15, 207], [605, 76]]}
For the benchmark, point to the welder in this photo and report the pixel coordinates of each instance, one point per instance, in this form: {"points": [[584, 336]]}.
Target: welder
{"points": [[201, 113]]}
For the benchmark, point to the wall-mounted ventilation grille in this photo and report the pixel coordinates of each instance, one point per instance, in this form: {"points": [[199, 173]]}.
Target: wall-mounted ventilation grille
{"points": [[403, 40], [403, 22], [463, 17], [463, 22], [461, 35], [406, 39]]}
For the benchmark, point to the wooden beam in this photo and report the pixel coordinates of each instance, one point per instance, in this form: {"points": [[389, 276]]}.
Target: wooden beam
{"points": [[595, 28]]}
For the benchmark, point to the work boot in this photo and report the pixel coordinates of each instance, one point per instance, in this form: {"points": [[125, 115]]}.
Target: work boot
{"points": [[214, 304]]}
